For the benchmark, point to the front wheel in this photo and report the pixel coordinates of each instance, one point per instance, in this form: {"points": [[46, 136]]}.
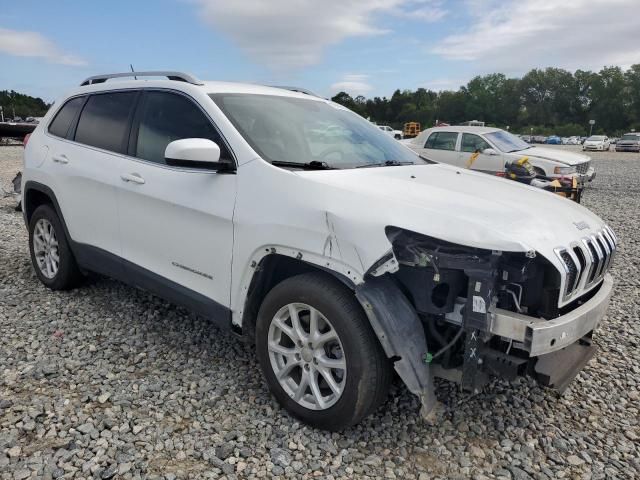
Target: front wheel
{"points": [[318, 353]]}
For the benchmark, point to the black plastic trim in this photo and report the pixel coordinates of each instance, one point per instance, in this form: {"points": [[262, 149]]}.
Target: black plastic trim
{"points": [[100, 261]]}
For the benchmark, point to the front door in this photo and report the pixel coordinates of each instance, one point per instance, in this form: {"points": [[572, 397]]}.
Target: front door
{"points": [[472, 156], [176, 223]]}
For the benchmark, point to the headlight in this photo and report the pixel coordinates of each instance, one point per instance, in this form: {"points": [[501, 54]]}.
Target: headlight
{"points": [[564, 170]]}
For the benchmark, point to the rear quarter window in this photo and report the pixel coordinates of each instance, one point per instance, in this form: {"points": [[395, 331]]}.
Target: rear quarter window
{"points": [[62, 121], [104, 121]]}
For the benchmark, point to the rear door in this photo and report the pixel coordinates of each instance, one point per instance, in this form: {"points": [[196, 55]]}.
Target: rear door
{"points": [[471, 156], [87, 165], [441, 147], [176, 223]]}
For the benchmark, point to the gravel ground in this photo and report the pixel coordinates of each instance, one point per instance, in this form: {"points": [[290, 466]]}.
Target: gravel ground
{"points": [[109, 382]]}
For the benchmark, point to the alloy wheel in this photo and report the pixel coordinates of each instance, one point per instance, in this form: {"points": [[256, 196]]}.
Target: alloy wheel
{"points": [[306, 356], [45, 248]]}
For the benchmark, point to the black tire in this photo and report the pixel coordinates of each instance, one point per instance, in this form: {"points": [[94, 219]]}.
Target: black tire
{"points": [[368, 370], [68, 275]]}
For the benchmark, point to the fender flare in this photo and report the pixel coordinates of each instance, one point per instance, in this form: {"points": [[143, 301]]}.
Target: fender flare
{"points": [[31, 185]]}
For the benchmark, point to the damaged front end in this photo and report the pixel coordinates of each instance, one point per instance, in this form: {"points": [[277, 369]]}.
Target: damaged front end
{"points": [[466, 314]]}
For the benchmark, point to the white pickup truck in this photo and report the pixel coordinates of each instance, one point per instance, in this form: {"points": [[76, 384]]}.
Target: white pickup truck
{"points": [[397, 134]]}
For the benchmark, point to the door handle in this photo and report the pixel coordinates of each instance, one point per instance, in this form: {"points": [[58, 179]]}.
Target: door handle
{"points": [[133, 178], [60, 159]]}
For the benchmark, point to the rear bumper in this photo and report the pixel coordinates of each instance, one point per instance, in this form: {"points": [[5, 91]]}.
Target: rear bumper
{"points": [[540, 337]]}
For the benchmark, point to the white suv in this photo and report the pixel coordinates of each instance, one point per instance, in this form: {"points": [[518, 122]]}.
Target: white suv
{"points": [[253, 206]]}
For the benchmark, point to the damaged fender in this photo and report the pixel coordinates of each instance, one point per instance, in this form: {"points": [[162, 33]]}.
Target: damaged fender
{"points": [[401, 335]]}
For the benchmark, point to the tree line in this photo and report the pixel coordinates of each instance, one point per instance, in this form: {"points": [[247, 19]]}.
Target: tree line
{"points": [[545, 101], [23, 105]]}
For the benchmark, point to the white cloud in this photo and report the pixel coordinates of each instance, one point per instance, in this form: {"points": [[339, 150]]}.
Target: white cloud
{"points": [[353, 84], [294, 33], [516, 35], [33, 44]]}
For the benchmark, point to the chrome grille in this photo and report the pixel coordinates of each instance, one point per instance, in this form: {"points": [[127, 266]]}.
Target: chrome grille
{"points": [[583, 168], [586, 262]]}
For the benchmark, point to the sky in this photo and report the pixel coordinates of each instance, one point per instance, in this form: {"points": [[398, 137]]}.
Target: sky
{"points": [[364, 47]]}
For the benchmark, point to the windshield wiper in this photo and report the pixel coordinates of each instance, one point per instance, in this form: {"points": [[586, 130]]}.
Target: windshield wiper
{"points": [[387, 163], [313, 165]]}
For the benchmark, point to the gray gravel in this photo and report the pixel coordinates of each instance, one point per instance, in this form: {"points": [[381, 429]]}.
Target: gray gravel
{"points": [[110, 382]]}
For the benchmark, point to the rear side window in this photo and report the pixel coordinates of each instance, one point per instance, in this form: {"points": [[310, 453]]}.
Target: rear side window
{"points": [[166, 117], [62, 121], [104, 121], [442, 141]]}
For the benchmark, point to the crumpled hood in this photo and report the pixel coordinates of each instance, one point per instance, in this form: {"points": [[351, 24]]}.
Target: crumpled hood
{"points": [[562, 156], [456, 205]]}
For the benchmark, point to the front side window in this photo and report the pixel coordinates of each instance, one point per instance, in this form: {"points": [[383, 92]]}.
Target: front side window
{"points": [[104, 121], [62, 121], [442, 141], [473, 143], [300, 131], [167, 117]]}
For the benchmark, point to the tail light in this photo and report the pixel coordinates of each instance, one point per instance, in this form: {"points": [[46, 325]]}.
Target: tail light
{"points": [[26, 139]]}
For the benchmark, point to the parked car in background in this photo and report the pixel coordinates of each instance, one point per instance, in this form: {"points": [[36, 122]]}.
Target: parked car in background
{"points": [[526, 138], [554, 140], [597, 142], [397, 134], [489, 149], [539, 139], [629, 142], [570, 141]]}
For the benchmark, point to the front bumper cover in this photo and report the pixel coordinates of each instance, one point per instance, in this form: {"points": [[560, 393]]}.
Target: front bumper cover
{"points": [[540, 337]]}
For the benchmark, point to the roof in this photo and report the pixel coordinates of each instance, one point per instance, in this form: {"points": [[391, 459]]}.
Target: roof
{"points": [[465, 129], [183, 81]]}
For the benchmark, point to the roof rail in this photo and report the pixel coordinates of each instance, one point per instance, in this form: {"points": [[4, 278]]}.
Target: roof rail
{"points": [[296, 89], [177, 76]]}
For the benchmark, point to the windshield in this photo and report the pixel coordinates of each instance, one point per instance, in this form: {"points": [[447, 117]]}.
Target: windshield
{"points": [[507, 142], [300, 131], [631, 136]]}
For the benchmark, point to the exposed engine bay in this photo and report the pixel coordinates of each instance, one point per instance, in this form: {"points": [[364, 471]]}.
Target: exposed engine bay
{"points": [[456, 292]]}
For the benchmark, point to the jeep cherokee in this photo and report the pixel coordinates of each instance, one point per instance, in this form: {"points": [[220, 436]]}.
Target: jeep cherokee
{"points": [[294, 223]]}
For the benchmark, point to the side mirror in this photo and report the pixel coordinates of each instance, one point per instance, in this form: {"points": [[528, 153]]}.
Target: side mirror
{"points": [[489, 151], [196, 153]]}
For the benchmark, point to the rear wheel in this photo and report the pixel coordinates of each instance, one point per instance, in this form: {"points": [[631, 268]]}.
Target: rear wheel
{"points": [[51, 256], [320, 358]]}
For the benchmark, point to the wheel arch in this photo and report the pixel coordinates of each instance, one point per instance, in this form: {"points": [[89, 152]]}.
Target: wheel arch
{"points": [[36, 194], [269, 271]]}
